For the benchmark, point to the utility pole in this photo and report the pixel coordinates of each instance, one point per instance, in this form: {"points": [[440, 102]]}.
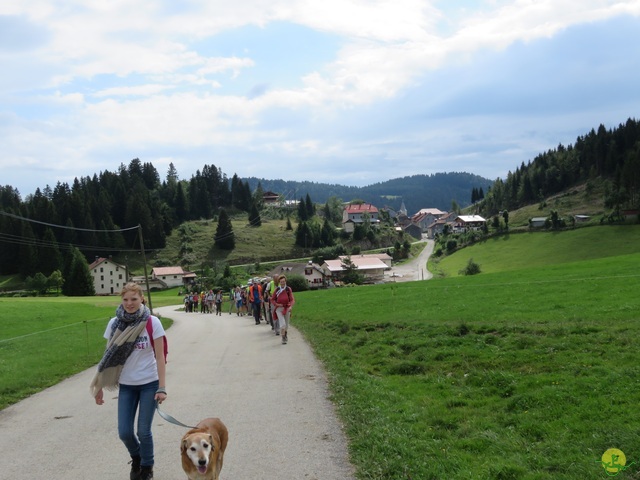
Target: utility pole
{"points": [[144, 262]]}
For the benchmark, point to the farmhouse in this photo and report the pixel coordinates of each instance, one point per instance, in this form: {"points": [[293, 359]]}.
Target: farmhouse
{"points": [[108, 276], [414, 230], [171, 276], [426, 217], [371, 266], [312, 273], [465, 223], [437, 227], [355, 214], [270, 198]]}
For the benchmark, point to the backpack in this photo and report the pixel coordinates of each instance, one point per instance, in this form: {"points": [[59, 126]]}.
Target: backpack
{"points": [[153, 344], [256, 293]]}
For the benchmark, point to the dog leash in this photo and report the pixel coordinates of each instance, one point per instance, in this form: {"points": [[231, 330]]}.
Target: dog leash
{"points": [[169, 418]]}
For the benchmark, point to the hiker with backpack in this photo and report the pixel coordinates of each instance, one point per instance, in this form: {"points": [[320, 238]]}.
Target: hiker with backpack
{"points": [[218, 300], [255, 299], [134, 363], [283, 300]]}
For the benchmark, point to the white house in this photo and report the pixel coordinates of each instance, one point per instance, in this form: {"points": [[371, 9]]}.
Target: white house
{"points": [[355, 213], [371, 266], [312, 272], [464, 223], [171, 276], [108, 276]]}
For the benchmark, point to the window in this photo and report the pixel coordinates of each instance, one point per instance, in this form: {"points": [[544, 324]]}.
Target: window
{"points": [[102, 277]]}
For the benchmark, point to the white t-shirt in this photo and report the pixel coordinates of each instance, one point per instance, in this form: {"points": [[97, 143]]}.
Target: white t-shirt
{"points": [[140, 368]]}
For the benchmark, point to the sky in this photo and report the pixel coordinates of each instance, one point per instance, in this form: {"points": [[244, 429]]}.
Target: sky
{"points": [[350, 92]]}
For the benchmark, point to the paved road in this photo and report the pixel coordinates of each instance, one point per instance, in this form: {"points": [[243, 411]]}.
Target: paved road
{"points": [[272, 397], [415, 269]]}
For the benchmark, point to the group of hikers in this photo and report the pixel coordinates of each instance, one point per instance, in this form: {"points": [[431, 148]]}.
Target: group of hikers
{"points": [[270, 299], [204, 302]]}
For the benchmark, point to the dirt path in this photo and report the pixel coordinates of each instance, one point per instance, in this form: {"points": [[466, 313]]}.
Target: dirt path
{"points": [[272, 397]]}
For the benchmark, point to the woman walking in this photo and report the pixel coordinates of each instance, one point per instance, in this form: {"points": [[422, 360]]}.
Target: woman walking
{"points": [[283, 300], [135, 339]]}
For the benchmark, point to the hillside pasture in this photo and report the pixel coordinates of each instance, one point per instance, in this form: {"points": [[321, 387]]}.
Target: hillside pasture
{"points": [[513, 251]]}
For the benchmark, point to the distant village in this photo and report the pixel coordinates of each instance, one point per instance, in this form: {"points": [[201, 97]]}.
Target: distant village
{"points": [[427, 223]]}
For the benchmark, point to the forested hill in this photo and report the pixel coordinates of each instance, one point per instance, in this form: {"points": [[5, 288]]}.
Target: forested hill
{"points": [[609, 154], [417, 191]]}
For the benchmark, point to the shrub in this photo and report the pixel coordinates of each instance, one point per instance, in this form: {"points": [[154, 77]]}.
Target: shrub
{"points": [[297, 283], [472, 268]]}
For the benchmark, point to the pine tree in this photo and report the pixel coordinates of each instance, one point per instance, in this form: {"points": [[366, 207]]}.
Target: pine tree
{"points": [[28, 252], [311, 209], [327, 234], [303, 215], [49, 257], [224, 237], [254, 216], [78, 281]]}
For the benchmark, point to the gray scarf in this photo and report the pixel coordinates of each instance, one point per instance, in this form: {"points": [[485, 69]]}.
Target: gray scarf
{"points": [[124, 333]]}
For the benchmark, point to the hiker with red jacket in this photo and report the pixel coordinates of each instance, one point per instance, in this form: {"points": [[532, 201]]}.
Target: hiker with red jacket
{"points": [[283, 300], [135, 339]]}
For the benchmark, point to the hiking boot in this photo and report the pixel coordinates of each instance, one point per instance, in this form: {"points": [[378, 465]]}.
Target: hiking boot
{"points": [[135, 468], [146, 473]]}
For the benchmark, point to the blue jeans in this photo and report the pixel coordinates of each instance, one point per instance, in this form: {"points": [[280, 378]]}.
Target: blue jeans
{"points": [[130, 399]]}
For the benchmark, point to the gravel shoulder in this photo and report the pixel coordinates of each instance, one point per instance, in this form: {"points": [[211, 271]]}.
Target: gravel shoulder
{"points": [[273, 398]]}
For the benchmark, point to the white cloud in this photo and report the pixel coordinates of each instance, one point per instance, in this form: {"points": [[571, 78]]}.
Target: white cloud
{"points": [[107, 78]]}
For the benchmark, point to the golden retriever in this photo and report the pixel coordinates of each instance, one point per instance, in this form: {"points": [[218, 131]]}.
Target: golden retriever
{"points": [[202, 449]]}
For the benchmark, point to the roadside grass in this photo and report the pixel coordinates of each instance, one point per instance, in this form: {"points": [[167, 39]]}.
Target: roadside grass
{"points": [[45, 340], [529, 374], [514, 251]]}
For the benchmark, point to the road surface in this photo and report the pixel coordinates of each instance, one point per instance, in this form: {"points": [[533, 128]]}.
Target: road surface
{"points": [[272, 397], [414, 269]]}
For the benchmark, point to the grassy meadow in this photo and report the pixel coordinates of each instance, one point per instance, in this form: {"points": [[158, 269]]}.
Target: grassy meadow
{"points": [[516, 251], [526, 374], [46, 339], [526, 371]]}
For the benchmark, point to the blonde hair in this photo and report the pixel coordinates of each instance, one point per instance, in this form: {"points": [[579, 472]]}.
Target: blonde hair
{"points": [[132, 287]]}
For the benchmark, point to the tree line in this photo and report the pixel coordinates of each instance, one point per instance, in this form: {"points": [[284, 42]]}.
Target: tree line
{"points": [[611, 154], [98, 214]]}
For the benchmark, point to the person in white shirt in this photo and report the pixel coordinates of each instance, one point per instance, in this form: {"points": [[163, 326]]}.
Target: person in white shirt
{"points": [[129, 365]]}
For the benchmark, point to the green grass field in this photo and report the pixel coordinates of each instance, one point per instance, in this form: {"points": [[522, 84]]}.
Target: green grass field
{"points": [[526, 371], [531, 249], [45, 340]]}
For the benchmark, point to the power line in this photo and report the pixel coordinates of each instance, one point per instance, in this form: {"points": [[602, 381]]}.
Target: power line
{"points": [[17, 217]]}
